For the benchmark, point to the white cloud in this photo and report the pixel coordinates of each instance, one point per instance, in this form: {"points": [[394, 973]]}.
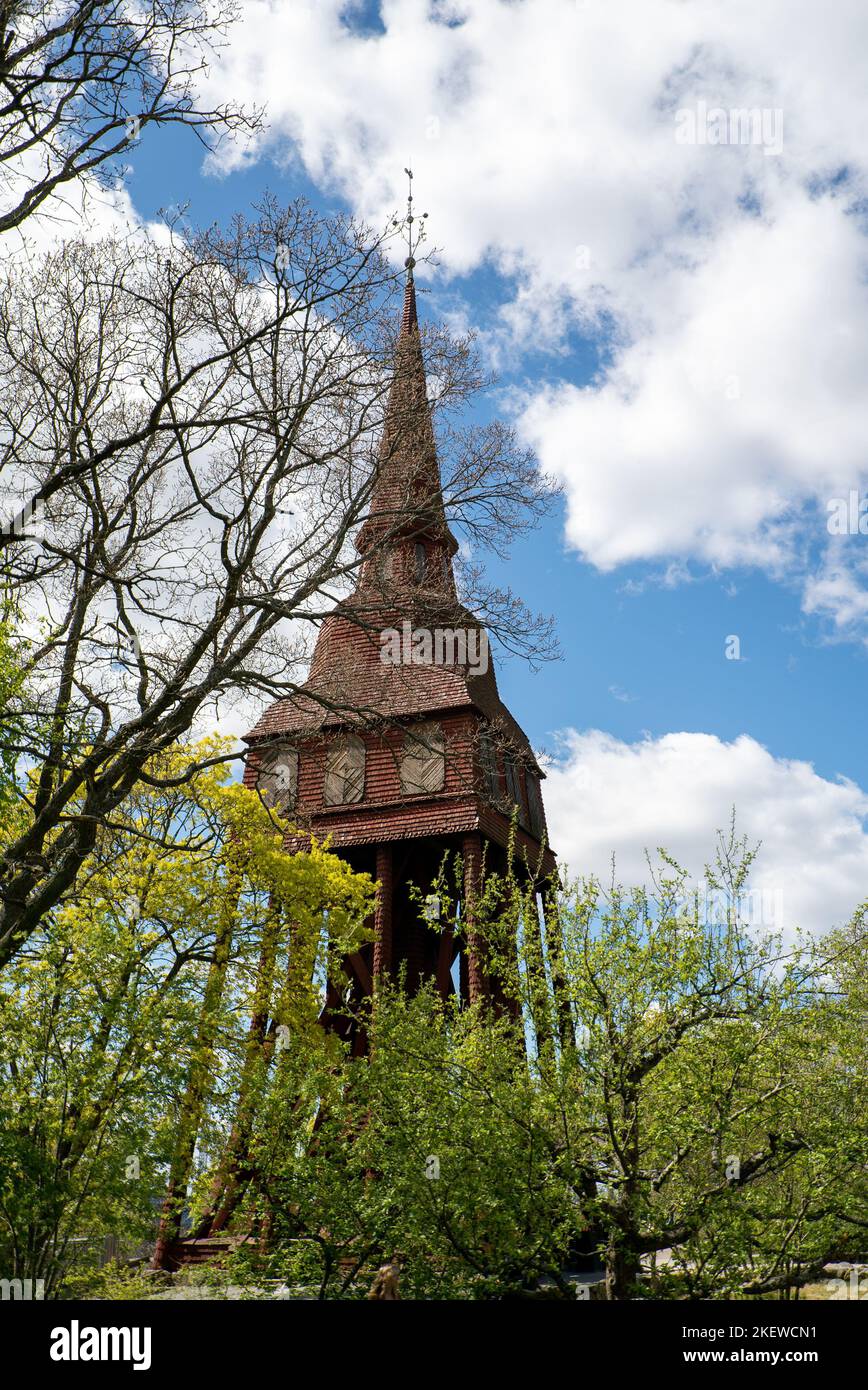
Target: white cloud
{"points": [[543, 137], [83, 207], [541, 126], [836, 593], [607, 797], [744, 404]]}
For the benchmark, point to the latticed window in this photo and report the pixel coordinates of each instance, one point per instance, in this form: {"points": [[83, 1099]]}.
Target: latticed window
{"points": [[513, 783], [345, 771], [534, 804], [423, 763], [488, 763], [277, 775]]}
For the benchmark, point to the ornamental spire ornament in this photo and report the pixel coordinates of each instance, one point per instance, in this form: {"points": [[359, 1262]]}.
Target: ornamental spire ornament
{"points": [[414, 239]]}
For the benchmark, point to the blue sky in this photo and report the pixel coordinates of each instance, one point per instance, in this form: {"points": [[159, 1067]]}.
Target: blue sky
{"points": [[680, 331], [640, 654]]}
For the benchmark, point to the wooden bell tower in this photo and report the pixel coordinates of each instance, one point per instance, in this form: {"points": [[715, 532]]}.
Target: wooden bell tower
{"points": [[398, 746]]}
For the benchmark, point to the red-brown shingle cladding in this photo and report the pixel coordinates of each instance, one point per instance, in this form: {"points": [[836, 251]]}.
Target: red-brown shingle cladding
{"points": [[351, 688]]}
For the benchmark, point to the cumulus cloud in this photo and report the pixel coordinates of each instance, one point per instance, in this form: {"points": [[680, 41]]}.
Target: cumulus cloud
{"points": [[743, 406], [608, 797], [726, 280], [85, 207], [544, 126], [839, 590]]}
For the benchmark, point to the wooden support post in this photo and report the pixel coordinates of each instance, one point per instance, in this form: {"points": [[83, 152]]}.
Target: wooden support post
{"points": [[383, 913], [355, 967], [471, 849]]}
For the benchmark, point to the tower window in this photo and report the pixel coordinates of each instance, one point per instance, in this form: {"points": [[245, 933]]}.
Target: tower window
{"points": [[423, 764], [421, 561], [345, 771], [534, 804], [513, 782], [277, 776], [488, 763]]}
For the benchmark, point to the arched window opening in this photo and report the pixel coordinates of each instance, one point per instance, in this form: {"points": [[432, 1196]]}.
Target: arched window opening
{"points": [[421, 562]]}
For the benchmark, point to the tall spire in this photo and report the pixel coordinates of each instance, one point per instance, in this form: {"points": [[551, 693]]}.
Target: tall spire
{"points": [[407, 497], [410, 321]]}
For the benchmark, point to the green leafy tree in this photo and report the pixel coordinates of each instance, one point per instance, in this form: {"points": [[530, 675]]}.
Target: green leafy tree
{"points": [[432, 1151], [701, 1108], [118, 1025]]}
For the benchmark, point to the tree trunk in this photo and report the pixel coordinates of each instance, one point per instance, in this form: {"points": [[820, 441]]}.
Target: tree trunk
{"points": [[256, 1052], [236, 1169], [477, 984], [555, 944], [538, 989], [622, 1270], [193, 1103]]}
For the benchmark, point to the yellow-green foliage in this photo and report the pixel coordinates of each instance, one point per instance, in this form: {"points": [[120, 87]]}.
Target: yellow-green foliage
{"points": [[102, 1015]]}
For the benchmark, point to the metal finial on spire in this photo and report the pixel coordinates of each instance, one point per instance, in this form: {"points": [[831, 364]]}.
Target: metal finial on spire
{"points": [[413, 243]]}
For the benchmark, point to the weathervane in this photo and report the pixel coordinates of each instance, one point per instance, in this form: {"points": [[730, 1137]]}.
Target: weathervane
{"points": [[412, 244]]}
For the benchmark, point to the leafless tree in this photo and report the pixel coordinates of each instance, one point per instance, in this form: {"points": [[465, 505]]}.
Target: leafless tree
{"points": [[191, 430], [82, 80]]}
